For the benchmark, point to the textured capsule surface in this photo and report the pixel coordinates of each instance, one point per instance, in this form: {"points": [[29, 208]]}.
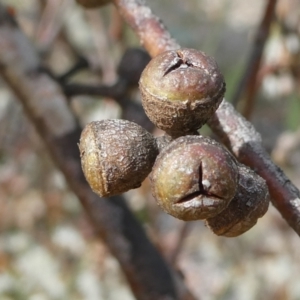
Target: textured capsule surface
{"points": [[181, 89], [250, 203], [194, 178], [116, 155]]}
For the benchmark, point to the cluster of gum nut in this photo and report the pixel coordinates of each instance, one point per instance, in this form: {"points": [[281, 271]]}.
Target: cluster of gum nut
{"points": [[192, 177]]}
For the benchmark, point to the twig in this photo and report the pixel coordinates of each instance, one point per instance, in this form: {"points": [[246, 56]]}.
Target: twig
{"points": [[130, 110], [116, 31], [129, 71], [80, 65], [248, 83], [77, 89], [149, 28], [51, 22], [285, 195], [102, 43], [178, 245], [146, 271]]}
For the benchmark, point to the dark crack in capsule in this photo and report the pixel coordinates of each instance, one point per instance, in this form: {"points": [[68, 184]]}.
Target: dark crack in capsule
{"points": [[175, 66]]}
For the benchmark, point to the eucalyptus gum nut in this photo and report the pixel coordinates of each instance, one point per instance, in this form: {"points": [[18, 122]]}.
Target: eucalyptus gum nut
{"points": [[116, 156], [181, 89], [194, 178], [250, 203], [92, 3]]}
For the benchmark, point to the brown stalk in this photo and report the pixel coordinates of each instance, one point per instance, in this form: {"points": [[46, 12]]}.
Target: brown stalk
{"points": [[46, 106], [116, 32], [51, 22], [227, 123], [102, 45], [179, 242], [248, 83], [149, 28]]}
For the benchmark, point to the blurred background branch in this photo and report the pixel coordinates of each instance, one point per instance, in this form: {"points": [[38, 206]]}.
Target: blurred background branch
{"points": [[147, 273]]}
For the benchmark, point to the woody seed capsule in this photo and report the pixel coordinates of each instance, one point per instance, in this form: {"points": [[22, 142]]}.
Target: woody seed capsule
{"points": [[194, 178], [116, 155], [181, 89]]}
